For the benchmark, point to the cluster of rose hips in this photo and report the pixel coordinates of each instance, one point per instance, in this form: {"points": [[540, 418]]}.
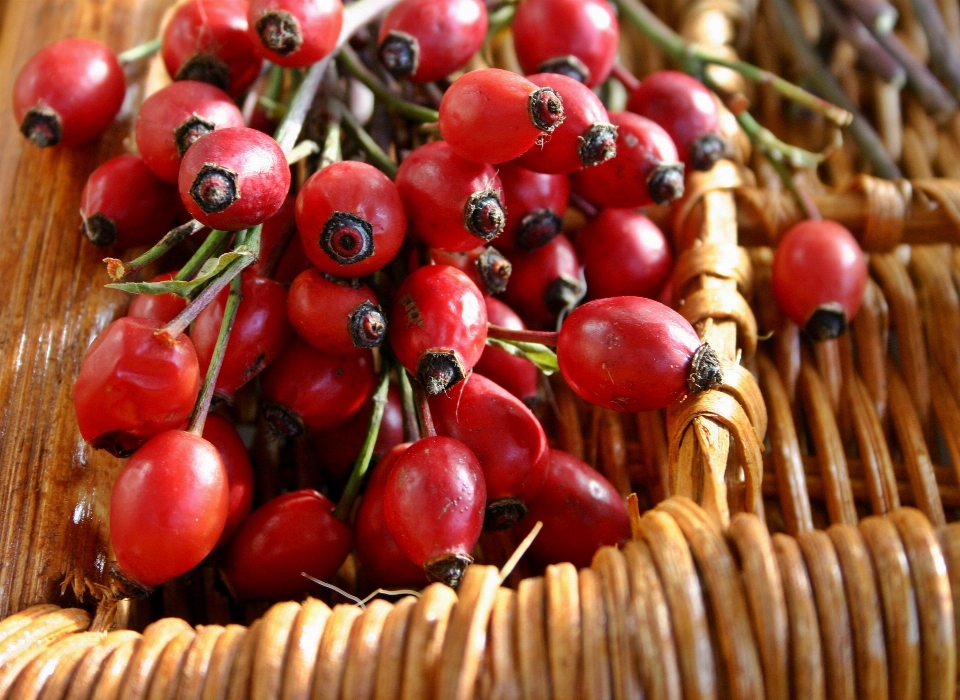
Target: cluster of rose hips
{"points": [[311, 325]]}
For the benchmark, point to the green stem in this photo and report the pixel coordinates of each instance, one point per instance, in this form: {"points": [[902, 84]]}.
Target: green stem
{"points": [[140, 51], [331, 152], [362, 464], [773, 147], [302, 150], [206, 250], [411, 424], [118, 269], [377, 154], [355, 66], [500, 18]]}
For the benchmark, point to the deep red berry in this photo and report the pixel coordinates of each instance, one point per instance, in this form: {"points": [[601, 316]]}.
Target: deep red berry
{"points": [[133, 385], [287, 536], [580, 511], [207, 40], [587, 137], [686, 110], [234, 178], [280, 228], [507, 439], [333, 315], [575, 37], [633, 354], [351, 219], [544, 282], [451, 203], [294, 33], [434, 503], [492, 115], [125, 204], [485, 266], [159, 307], [819, 276], [306, 389], [515, 374], [168, 507], [623, 254], [438, 326], [220, 433], [425, 40], [535, 205], [173, 118], [68, 93], [645, 170]]}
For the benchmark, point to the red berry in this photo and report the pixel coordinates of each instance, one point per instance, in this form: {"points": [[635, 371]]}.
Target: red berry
{"points": [[125, 204], [438, 326], [544, 282], [279, 227], [535, 205], [623, 254], [220, 433], [515, 374], [68, 93], [434, 503], [159, 307], [333, 315], [288, 535], [168, 507], [132, 385], [633, 354], [492, 115], [485, 266], [425, 40], [819, 276], [234, 178], [351, 219], [294, 33], [575, 37], [172, 119]]}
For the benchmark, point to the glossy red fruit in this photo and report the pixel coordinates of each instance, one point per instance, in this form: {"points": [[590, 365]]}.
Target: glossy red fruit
{"points": [[438, 326], [132, 385], [819, 276], [294, 33], [623, 254], [492, 115], [287, 535], [334, 315], [434, 503], [381, 560], [260, 332], [425, 40], [485, 266], [168, 506], [515, 374], [506, 438], [580, 511], [234, 178], [574, 37], [68, 93], [645, 170], [351, 219], [207, 40], [535, 205], [278, 229], [544, 282], [633, 354], [686, 110], [173, 118], [451, 203], [159, 307], [220, 433], [587, 137], [306, 389], [125, 204]]}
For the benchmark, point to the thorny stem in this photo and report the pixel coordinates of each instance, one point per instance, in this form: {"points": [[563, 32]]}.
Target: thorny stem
{"points": [[119, 270], [523, 336], [143, 50], [362, 465], [377, 154], [207, 249], [355, 66], [411, 424]]}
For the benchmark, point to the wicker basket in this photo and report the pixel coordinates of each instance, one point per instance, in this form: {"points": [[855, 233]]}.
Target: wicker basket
{"points": [[854, 596]]}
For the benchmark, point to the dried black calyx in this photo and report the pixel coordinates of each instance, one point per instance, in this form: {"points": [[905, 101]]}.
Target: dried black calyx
{"points": [[597, 144], [368, 325], [280, 32], [483, 215], [538, 228], [827, 322], [42, 126], [494, 270], [347, 238], [190, 130], [206, 68], [125, 586], [705, 370], [214, 188], [503, 513], [448, 569], [665, 183], [706, 150], [562, 294], [438, 369], [118, 443], [400, 54], [546, 109], [282, 420], [100, 230], [568, 65]]}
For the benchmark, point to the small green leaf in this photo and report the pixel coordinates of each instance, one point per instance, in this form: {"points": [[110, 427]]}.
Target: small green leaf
{"points": [[540, 355], [211, 268]]}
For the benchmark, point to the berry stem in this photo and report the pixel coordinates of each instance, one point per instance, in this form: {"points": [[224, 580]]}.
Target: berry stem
{"points": [[331, 152], [140, 51], [523, 336], [426, 417], [412, 111], [362, 465], [118, 270], [411, 423], [500, 18], [302, 150], [377, 154], [206, 250], [626, 78]]}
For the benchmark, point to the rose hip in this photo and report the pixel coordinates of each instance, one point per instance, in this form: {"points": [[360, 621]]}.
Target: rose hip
{"points": [[485, 266], [333, 315], [220, 433], [294, 33], [544, 282], [159, 307], [535, 205]]}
